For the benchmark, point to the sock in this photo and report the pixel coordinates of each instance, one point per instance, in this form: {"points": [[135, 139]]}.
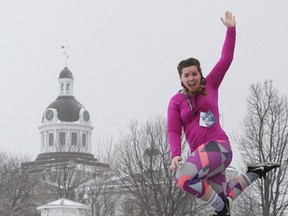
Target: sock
{"points": [[216, 202], [251, 177]]}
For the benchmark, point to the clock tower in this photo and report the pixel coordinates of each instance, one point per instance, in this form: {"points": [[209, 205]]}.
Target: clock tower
{"points": [[66, 129]]}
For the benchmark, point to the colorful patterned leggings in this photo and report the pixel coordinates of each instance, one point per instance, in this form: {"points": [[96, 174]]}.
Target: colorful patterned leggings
{"points": [[204, 172]]}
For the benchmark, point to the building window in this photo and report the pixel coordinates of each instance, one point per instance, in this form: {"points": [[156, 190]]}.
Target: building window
{"points": [[62, 138], [51, 139], [74, 139], [43, 140], [84, 139]]}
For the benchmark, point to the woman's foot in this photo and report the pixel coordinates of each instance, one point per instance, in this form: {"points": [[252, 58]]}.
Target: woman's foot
{"points": [[262, 168], [227, 208]]}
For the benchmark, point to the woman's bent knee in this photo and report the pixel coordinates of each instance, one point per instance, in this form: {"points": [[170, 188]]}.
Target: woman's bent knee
{"points": [[182, 180]]}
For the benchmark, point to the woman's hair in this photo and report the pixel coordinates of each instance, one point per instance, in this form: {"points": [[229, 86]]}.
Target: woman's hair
{"points": [[193, 62]]}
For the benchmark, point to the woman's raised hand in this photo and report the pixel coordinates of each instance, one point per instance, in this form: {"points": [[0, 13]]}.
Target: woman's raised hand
{"points": [[229, 19]]}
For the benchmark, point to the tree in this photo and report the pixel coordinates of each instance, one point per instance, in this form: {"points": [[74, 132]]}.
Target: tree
{"points": [[97, 194], [141, 164], [264, 139], [100, 195], [17, 189]]}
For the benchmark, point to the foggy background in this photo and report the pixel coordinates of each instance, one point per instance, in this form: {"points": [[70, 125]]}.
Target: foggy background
{"points": [[123, 56]]}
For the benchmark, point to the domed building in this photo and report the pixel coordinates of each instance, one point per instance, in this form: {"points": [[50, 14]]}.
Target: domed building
{"points": [[65, 130]]}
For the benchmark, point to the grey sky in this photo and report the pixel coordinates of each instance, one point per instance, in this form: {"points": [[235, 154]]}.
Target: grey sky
{"points": [[123, 55]]}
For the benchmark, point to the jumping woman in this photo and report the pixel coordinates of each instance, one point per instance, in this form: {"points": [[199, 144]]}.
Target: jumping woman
{"points": [[194, 109]]}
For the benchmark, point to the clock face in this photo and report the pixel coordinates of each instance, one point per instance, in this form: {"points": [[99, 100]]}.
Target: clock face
{"points": [[86, 115], [49, 115]]}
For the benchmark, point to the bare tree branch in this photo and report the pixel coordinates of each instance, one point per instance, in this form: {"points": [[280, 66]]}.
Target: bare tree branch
{"points": [[265, 133]]}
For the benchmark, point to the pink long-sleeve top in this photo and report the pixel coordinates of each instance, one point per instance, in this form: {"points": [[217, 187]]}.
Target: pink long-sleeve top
{"points": [[180, 115]]}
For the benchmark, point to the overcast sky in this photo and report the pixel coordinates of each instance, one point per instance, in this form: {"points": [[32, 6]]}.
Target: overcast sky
{"points": [[123, 56]]}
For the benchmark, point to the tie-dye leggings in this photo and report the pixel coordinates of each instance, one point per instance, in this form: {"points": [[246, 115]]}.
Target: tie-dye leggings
{"points": [[204, 172]]}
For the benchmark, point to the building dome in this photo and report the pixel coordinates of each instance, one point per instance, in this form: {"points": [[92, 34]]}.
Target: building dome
{"points": [[68, 108], [65, 108], [66, 73]]}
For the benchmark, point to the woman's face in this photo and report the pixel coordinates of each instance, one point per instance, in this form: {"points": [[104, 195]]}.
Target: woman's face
{"points": [[191, 78]]}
